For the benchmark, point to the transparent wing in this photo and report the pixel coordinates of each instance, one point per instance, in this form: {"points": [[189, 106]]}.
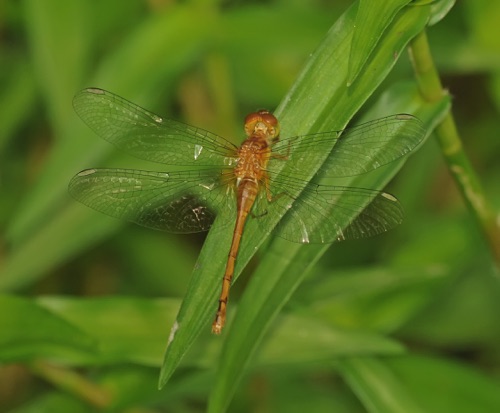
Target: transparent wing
{"points": [[148, 136], [324, 214], [356, 151], [179, 202]]}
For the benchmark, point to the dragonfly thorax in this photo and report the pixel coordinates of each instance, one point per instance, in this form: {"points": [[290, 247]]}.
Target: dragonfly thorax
{"points": [[253, 156]]}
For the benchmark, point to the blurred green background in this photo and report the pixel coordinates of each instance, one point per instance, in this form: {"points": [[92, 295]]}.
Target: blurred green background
{"points": [[429, 285]]}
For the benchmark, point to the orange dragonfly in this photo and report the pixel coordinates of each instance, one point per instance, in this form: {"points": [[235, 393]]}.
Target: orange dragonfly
{"points": [[240, 182]]}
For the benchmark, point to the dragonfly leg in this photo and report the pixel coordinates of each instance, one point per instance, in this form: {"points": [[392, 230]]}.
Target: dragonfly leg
{"points": [[264, 213], [270, 198], [282, 156]]}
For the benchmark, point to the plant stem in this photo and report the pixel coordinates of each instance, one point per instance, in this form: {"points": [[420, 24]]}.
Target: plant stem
{"points": [[451, 146], [78, 386], [73, 383]]}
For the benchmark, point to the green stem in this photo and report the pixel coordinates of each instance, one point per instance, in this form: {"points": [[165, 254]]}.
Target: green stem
{"points": [[73, 383], [451, 146], [78, 386]]}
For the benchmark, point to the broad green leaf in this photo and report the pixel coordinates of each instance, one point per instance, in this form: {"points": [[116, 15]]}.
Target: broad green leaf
{"points": [[318, 101], [118, 330], [445, 384], [377, 386], [127, 329], [466, 314], [372, 19], [377, 299], [30, 331], [412, 383], [310, 341]]}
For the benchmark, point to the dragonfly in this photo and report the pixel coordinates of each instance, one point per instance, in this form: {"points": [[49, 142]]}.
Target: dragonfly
{"points": [[265, 178]]}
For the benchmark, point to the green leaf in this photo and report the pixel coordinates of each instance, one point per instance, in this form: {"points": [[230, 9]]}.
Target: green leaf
{"points": [[29, 331], [127, 329], [119, 330], [439, 10], [284, 267], [379, 389], [409, 383], [319, 100], [369, 31], [85, 331], [310, 341], [465, 314], [377, 299], [444, 385]]}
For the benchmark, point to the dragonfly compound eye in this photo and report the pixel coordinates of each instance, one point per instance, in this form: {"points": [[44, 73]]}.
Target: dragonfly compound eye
{"points": [[260, 120]]}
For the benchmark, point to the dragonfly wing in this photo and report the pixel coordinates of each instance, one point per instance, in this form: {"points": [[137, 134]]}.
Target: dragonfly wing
{"points": [[148, 136], [324, 214], [357, 150], [179, 202]]}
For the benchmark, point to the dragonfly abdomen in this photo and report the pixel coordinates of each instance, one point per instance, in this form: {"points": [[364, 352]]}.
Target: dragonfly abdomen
{"points": [[247, 192]]}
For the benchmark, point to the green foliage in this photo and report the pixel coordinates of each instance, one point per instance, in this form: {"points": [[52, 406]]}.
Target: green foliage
{"points": [[405, 322]]}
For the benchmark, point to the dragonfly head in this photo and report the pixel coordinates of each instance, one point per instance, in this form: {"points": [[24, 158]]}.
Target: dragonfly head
{"points": [[263, 124]]}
